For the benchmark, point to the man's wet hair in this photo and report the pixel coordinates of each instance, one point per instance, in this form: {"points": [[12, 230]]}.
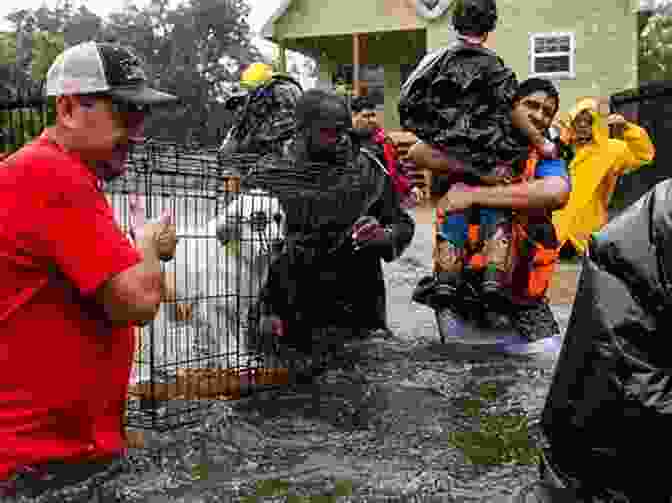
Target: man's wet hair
{"points": [[360, 103], [475, 17], [309, 105], [536, 84]]}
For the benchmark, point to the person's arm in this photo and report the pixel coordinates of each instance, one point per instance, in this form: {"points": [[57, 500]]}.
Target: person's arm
{"points": [[640, 149], [550, 193], [398, 226], [79, 235], [549, 190], [134, 295]]}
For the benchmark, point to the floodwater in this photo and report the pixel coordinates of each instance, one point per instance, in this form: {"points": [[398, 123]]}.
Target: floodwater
{"points": [[402, 419]]}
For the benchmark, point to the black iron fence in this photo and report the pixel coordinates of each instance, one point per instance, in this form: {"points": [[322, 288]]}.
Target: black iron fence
{"points": [[649, 106], [22, 118]]}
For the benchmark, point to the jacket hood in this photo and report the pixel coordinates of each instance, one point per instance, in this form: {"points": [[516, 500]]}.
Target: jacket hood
{"points": [[600, 127]]}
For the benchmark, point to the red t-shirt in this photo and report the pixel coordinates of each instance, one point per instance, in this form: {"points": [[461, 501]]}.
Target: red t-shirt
{"points": [[64, 369]]}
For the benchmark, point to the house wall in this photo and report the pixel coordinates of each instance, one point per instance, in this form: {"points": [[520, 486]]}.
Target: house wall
{"points": [[606, 39], [310, 18]]}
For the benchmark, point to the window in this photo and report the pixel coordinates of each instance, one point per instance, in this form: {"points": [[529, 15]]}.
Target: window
{"points": [[553, 55]]}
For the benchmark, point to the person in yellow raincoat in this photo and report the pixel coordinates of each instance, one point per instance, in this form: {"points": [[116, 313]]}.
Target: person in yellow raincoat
{"points": [[596, 167]]}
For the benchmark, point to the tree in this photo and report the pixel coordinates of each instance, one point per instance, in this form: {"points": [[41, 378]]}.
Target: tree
{"points": [[655, 44], [195, 50]]}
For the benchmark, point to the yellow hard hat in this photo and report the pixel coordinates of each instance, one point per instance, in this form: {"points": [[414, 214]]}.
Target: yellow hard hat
{"points": [[256, 74]]}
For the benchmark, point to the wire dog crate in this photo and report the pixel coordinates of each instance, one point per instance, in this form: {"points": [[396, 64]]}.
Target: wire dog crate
{"points": [[197, 349]]}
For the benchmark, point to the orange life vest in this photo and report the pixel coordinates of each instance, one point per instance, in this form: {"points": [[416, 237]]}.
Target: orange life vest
{"points": [[534, 261]]}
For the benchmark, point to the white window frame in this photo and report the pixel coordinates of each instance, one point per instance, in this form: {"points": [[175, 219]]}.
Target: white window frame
{"points": [[571, 74]]}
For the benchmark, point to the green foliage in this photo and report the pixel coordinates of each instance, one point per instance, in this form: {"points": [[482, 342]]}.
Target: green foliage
{"points": [[655, 49], [501, 438], [46, 46], [193, 50]]}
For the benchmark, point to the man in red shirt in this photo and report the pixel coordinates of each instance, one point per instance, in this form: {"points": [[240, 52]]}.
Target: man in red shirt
{"points": [[73, 286]]}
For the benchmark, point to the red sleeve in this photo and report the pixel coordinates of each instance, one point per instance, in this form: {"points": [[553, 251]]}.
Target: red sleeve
{"points": [[75, 230]]}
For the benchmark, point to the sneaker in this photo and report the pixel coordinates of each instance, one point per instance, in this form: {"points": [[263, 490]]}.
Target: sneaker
{"points": [[451, 326], [519, 346]]}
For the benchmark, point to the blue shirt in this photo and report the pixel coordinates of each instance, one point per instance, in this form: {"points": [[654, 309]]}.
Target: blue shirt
{"points": [[553, 167]]}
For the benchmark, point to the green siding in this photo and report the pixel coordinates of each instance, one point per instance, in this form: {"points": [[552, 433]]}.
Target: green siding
{"points": [[310, 18]]}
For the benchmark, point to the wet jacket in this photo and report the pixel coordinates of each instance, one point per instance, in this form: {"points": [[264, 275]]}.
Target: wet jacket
{"points": [[460, 99], [608, 412], [594, 173], [342, 289]]}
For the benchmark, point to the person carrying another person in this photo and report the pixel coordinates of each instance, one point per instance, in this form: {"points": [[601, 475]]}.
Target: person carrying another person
{"points": [[543, 188], [598, 163], [73, 285], [459, 104]]}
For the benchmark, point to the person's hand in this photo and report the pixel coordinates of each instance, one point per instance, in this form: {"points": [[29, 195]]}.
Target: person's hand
{"points": [[617, 125], [616, 120], [548, 150], [159, 234], [458, 198], [271, 325], [368, 231]]}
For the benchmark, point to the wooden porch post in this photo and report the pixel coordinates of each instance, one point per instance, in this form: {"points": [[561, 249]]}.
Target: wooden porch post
{"points": [[359, 58], [283, 57], [356, 82]]}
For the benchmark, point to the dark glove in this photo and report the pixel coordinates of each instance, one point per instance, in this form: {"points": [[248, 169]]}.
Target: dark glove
{"points": [[368, 231], [271, 325]]}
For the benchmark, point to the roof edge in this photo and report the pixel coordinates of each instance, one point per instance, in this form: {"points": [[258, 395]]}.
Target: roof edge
{"points": [[267, 28]]}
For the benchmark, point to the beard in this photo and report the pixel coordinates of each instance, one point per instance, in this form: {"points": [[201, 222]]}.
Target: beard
{"points": [[114, 167]]}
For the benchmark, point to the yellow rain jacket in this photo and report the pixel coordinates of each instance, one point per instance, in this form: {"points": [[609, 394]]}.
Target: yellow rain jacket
{"points": [[594, 172]]}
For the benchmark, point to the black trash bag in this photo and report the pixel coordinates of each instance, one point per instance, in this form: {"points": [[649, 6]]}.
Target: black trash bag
{"points": [[608, 413], [442, 103]]}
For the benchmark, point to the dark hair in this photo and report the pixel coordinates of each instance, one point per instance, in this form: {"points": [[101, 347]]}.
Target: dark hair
{"points": [[475, 17], [308, 105], [534, 85], [360, 103]]}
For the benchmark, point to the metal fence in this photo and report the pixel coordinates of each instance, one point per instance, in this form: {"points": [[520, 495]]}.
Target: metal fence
{"points": [[22, 118]]}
